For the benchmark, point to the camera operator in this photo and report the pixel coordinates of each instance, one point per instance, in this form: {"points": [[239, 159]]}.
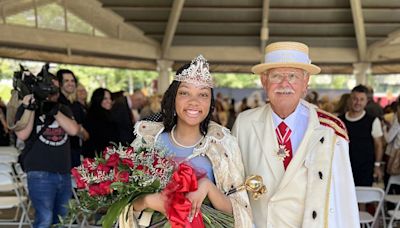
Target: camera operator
{"points": [[68, 83], [47, 155]]}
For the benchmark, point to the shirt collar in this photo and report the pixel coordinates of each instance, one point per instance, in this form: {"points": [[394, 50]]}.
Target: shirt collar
{"points": [[290, 121], [354, 119]]}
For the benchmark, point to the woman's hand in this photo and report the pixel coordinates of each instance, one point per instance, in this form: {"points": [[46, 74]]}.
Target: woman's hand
{"points": [[153, 201], [197, 197]]}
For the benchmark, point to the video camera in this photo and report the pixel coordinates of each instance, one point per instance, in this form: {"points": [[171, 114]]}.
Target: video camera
{"points": [[41, 86]]}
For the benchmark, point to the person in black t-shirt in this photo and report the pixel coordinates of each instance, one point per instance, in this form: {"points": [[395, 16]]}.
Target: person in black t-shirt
{"points": [[365, 134], [47, 159]]}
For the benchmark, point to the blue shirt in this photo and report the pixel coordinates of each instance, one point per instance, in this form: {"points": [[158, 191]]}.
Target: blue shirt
{"points": [[297, 122], [200, 163]]}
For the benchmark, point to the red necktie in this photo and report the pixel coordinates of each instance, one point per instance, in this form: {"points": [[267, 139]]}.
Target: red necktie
{"points": [[283, 133]]}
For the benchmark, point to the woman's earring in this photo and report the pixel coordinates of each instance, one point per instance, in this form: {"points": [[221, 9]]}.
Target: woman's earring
{"points": [[174, 113]]}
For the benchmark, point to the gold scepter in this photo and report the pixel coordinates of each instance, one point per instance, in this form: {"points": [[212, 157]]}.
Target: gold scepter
{"points": [[253, 184]]}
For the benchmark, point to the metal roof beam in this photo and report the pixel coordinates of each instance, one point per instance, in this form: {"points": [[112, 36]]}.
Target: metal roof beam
{"points": [[387, 49], [44, 39], [45, 56], [173, 20], [264, 33], [252, 55], [359, 28]]}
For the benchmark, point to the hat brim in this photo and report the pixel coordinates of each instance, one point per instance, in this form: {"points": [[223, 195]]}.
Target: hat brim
{"points": [[310, 68]]}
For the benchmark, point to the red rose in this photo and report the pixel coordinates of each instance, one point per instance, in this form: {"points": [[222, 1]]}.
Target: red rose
{"points": [[88, 164], [139, 167], [94, 190], [105, 188], [100, 189], [113, 160], [103, 168], [129, 150], [78, 178], [122, 176], [128, 162]]}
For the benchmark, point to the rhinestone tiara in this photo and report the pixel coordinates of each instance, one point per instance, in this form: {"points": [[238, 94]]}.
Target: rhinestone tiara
{"points": [[197, 73]]}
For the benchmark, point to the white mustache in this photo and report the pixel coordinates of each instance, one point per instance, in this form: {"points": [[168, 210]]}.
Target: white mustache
{"points": [[284, 90]]}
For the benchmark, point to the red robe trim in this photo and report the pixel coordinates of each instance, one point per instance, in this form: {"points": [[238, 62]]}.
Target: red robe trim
{"points": [[330, 120]]}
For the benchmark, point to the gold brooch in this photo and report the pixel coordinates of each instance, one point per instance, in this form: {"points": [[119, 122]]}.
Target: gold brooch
{"points": [[282, 152]]}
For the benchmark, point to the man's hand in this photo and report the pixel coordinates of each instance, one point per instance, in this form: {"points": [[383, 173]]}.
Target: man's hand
{"points": [[28, 102], [378, 174]]}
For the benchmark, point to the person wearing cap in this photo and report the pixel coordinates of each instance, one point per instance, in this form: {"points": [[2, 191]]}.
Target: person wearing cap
{"points": [[300, 151], [189, 134]]}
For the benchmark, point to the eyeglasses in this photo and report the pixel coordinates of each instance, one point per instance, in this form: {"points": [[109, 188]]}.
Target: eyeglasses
{"points": [[292, 77]]}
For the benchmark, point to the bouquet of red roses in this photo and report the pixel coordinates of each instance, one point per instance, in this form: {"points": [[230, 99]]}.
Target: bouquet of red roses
{"points": [[121, 174]]}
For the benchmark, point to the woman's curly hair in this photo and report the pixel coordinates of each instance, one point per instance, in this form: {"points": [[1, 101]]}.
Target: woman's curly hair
{"points": [[168, 106]]}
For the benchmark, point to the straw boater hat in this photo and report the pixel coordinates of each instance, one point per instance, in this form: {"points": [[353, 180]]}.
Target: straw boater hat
{"points": [[286, 54]]}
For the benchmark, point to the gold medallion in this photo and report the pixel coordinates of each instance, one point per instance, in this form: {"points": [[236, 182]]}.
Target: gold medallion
{"points": [[282, 152]]}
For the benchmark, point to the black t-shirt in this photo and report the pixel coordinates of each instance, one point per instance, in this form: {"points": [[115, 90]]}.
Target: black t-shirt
{"points": [[51, 151], [361, 149], [79, 116]]}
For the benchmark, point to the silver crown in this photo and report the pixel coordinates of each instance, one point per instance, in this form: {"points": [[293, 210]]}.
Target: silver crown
{"points": [[197, 73]]}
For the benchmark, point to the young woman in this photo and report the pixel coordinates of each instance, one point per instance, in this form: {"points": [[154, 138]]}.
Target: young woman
{"points": [[189, 133], [99, 123]]}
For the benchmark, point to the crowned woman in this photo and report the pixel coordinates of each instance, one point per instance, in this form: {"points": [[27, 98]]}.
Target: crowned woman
{"points": [[188, 132]]}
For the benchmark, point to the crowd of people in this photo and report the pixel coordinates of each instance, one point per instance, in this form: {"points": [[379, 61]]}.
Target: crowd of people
{"points": [[311, 154], [58, 137], [372, 130]]}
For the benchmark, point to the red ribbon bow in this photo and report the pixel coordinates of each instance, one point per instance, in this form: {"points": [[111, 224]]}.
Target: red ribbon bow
{"points": [[178, 207]]}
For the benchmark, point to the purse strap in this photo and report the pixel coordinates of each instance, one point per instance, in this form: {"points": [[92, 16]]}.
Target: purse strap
{"points": [[29, 145]]}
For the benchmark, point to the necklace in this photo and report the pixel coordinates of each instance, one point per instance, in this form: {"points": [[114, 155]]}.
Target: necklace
{"points": [[176, 142]]}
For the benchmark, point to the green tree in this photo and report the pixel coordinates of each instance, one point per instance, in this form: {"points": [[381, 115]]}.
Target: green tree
{"points": [[111, 78], [51, 16], [26, 18], [340, 81], [7, 67], [232, 80]]}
